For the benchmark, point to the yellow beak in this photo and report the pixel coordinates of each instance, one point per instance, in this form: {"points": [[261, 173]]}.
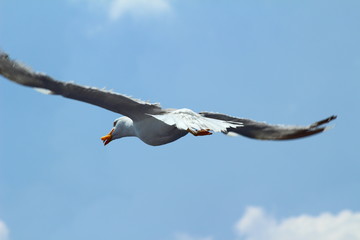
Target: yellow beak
{"points": [[107, 138]]}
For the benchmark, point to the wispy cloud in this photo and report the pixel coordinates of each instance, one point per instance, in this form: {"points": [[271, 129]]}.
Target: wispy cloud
{"points": [[115, 9], [118, 8], [4, 232], [258, 225]]}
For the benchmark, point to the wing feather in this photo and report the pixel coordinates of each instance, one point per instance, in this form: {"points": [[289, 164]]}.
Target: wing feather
{"points": [[264, 131], [115, 102], [185, 119]]}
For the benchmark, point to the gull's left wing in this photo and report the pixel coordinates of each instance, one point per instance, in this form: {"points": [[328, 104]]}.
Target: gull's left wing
{"points": [[115, 102], [265, 131]]}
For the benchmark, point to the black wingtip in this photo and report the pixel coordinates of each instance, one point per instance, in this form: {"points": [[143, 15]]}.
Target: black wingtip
{"points": [[324, 121], [333, 117]]}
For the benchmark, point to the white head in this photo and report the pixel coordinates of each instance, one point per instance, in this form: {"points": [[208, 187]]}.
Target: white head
{"points": [[123, 127]]}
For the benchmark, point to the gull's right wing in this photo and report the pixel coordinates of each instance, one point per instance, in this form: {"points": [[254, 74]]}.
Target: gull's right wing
{"points": [[115, 102]]}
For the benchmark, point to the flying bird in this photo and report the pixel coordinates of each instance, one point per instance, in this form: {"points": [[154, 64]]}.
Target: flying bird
{"points": [[150, 122]]}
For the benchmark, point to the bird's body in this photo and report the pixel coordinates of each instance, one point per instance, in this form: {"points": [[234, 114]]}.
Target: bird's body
{"points": [[166, 127], [155, 132], [149, 130], [149, 122]]}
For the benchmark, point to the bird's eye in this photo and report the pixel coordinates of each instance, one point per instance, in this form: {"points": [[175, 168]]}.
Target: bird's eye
{"points": [[115, 122]]}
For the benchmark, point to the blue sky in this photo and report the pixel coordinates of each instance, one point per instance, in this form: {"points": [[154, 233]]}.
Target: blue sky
{"points": [[275, 61]]}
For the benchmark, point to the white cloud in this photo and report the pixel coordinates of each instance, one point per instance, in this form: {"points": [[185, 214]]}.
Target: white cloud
{"points": [[184, 236], [257, 225], [4, 232]]}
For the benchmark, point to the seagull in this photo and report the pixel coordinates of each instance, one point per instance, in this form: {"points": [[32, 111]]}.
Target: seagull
{"points": [[150, 122]]}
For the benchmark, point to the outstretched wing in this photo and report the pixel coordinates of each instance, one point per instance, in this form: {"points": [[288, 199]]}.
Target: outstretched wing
{"points": [[264, 131], [115, 102]]}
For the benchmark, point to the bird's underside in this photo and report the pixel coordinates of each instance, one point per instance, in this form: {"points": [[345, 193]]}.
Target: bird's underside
{"points": [[185, 120]]}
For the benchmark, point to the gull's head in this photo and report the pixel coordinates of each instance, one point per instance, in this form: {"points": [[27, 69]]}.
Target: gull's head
{"points": [[123, 127]]}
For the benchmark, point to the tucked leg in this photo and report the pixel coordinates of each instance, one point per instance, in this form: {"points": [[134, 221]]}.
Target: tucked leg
{"points": [[201, 132]]}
